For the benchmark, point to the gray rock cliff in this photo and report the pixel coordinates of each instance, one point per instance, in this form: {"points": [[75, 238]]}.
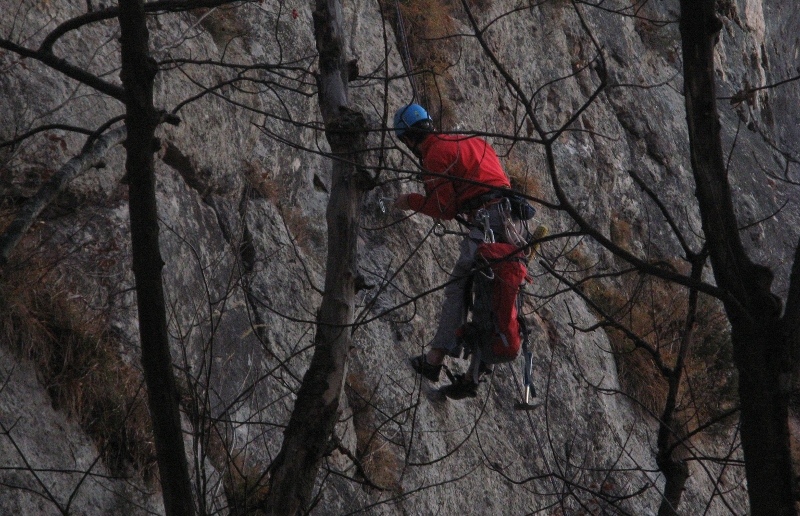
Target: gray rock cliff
{"points": [[242, 190]]}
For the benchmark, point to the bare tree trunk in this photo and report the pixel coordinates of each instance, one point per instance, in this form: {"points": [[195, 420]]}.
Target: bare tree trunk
{"points": [[760, 346], [138, 73], [307, 438]]}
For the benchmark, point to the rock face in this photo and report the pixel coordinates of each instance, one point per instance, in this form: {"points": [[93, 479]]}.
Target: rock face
{"points": [[242, 190]]}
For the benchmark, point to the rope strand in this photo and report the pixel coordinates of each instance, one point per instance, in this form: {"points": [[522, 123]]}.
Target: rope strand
{"points": [[405, 53]]}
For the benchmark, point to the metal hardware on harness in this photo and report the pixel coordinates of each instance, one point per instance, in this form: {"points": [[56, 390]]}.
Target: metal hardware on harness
{"points": [[440, 230], [486, 270], [382, 204], [488, 234]]}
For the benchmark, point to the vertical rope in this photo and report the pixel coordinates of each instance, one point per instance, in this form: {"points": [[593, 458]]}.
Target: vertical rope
{"points": [[405, 53]]}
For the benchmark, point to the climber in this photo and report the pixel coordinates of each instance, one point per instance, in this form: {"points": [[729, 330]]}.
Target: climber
{"points": [[447, 160]]}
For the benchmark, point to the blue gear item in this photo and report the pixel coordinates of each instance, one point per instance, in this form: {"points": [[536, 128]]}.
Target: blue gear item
{"points": [[407, 116]]}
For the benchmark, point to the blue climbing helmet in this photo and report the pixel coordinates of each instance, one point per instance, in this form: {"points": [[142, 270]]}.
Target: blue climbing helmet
{"points": [[407, 116]]}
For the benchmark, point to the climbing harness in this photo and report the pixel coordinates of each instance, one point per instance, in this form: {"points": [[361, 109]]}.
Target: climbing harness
{"points": [[500, 273]]}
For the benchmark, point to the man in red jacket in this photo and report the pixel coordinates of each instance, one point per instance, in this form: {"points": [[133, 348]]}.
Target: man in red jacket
{"points": [[461, 177]]}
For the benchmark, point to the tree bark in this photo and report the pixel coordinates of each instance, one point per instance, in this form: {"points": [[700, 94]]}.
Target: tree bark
{"points": [[759, 343], [138, 73], [307, 438]]}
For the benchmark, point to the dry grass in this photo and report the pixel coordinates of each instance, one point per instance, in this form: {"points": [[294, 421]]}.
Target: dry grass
{"points": [[621, 233], [223, 24], [656, 312], [78, 363], [261, 182], [579, 256], [246, 487], [305, 233], [245, 479], [638, 376], [713, 386], [523, 178], [427, 25]]}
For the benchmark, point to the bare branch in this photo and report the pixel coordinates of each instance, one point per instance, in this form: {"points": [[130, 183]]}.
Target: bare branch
{"points": [[42, 129], [68, 69], [72, 169]]}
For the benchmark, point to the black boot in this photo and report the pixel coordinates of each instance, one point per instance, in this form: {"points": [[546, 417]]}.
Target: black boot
{"points": [[462, 387], [429, 371]]}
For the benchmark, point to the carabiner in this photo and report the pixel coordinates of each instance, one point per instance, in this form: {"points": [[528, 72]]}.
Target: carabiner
{"points": [[441, 230], [382, 204], [488, 234]]}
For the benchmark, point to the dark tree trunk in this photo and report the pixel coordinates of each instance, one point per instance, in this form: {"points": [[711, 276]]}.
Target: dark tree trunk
{"points": [[307, 438], [138, 73], [759, 342]]}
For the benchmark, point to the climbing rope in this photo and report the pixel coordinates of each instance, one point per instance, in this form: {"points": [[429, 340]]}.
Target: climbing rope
{"points": [[405, 53]]}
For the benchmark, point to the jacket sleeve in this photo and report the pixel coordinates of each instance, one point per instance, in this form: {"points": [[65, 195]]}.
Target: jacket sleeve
{"points": [[439, 201]]}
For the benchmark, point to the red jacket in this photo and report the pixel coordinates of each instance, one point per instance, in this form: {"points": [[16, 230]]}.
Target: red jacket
{"points": [[457, 156]]}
